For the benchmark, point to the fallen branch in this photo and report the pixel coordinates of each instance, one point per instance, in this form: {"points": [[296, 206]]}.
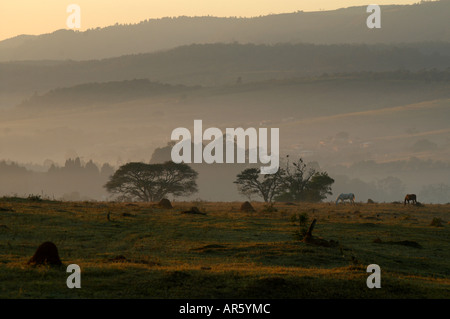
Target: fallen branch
{"points": [[309, 239]]}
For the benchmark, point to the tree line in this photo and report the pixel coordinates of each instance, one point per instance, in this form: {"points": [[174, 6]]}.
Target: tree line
{"points": [[75, 180], [297, 182]]}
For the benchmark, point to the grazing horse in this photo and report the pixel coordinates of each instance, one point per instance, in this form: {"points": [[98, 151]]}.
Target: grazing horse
{"points": [[343, 197], [411, 197]]}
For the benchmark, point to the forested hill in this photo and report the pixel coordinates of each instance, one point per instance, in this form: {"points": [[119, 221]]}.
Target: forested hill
{"points": [[219, 64], [413, 86], [427, 21], [105, 93]]}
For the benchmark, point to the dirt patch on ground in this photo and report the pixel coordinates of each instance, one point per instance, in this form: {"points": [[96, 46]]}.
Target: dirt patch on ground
{"points": [[210, 248], [408, 243], [194, 211]]}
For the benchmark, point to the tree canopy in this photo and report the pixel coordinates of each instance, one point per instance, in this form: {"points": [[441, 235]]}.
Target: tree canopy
{"points": [[250, 181], [297, 182], [152, 182]]}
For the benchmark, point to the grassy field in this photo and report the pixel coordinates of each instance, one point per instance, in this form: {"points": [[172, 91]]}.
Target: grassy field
{"points": [[142, 251]]}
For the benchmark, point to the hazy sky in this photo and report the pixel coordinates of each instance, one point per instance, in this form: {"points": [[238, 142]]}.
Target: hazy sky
{"points": [[44, 16]]}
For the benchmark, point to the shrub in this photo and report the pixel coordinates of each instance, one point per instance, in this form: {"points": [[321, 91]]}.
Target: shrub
{"points": [[268, 208], [35, 198], [302, 219], [437, 222]]}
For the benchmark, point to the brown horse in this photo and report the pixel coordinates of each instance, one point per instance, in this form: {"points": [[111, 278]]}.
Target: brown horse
{"points": [[411, 197]]}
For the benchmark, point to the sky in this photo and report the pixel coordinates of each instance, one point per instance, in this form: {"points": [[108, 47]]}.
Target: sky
{"points": [[45, 16]]}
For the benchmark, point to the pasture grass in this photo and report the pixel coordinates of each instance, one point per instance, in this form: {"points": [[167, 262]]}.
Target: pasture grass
{"points": [[146, 252]]}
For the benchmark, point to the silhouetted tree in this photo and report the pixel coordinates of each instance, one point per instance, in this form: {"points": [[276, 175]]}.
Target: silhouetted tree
{"points": [[319, 187], [91, 168], [251, 181], [295, 181], [304, 182], [152, 182], [106, 171]]}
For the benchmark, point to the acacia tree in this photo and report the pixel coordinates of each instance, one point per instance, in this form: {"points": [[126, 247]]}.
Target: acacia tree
{"points": [[297, 182], [297, 179], [251, 181], [304, 183], [152, 182], [319, 187]]}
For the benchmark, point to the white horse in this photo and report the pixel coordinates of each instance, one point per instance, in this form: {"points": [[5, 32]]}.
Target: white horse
{"points": [[343, 197]]}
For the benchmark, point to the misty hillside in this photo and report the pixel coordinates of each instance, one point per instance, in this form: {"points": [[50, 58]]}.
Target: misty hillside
{"points": [[215, 64], [427, 21], [371, 107], [344, 91], [383, 115], [89, 94], [337, 120]]}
